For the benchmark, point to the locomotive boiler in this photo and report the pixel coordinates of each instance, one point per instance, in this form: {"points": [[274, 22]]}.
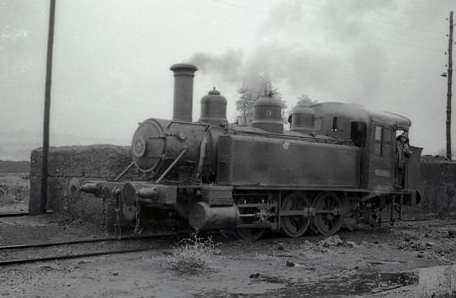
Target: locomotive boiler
{"points": [[338, 164]]}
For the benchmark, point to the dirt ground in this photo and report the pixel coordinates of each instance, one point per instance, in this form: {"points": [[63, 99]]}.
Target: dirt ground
{"points": [[14, 192], [411, 259]]}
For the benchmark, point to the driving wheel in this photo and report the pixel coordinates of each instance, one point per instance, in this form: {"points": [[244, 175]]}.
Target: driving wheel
{"points": [[295, 225], [327, 219]]}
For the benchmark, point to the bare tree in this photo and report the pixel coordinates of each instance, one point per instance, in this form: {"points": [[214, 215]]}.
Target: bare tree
{"points": [[306, 99], [244, 105]]}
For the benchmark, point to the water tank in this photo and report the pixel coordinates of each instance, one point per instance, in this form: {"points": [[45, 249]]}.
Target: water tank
{"points": [[302, 118], [213, 108], [267, 114]]}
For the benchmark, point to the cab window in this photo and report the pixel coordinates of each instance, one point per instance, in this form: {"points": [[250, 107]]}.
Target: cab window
{"points": [[338, 124], [318, 122], [378, 135], [387, 150], [358, 133], [383, 141]]}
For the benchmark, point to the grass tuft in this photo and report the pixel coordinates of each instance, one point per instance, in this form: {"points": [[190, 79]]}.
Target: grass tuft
{"points": [[193, 255]]}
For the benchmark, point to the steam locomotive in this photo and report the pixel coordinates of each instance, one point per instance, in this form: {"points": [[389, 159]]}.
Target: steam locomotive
{"points": [[338, 164]]}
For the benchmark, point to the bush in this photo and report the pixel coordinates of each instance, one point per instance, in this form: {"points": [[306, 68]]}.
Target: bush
{"points": [[193, 255]]}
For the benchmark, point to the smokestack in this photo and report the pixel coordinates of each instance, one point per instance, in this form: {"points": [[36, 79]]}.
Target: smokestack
{"points": [[183, 91]]}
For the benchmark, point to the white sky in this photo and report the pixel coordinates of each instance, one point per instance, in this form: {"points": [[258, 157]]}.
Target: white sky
{"points": [[112, 58]]}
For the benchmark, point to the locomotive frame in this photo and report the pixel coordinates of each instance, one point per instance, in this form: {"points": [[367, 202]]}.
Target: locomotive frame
{"points": [[337, 165]]}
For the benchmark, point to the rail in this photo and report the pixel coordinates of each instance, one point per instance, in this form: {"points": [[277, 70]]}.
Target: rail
{"points": [[14, 214], [10, 249]]}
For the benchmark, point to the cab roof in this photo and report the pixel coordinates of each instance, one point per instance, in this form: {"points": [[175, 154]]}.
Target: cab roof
{"points": [[357, 112]]}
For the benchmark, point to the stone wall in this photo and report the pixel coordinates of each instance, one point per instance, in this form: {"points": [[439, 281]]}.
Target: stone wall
{"points": [[438, 186], [98, 162], [87, 163]]}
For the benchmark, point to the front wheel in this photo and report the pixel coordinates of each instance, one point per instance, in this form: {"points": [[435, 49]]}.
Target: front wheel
{"points": [[248, 209], [250, 234]]}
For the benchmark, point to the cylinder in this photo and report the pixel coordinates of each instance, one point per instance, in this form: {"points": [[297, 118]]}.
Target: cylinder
{"points": [[93, 188], [148, 193], [202, 217], [183, 91]]}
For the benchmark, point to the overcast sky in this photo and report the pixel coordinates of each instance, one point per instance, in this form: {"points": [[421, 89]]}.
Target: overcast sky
{"points": [[112, 58]]}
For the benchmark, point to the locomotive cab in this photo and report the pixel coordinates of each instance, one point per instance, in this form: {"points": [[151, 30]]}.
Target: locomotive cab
{"points": [[383, 165], [392, 163]]}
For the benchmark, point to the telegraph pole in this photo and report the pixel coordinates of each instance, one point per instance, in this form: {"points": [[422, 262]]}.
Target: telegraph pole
{"points": [[47, 107], [450, 77]]}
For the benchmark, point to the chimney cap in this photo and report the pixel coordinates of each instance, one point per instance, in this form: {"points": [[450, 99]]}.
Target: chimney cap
{"points": [[184, 67]]}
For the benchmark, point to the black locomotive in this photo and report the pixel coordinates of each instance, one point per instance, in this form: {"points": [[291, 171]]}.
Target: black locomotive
{"points": [[338, 164]]}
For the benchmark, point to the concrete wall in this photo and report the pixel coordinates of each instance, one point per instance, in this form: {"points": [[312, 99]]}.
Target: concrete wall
{"points": [[96, 162]]}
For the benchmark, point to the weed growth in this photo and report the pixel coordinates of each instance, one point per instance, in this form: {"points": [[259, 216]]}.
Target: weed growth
{"points": [[193, 255], [13, 188]]}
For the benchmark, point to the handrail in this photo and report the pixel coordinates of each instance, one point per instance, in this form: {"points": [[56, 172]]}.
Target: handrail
{"points": [[171, 165]]}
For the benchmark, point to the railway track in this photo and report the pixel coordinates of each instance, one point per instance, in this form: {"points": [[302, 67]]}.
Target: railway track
{"points": [[421, 219], [11, 254], [14, 214]]}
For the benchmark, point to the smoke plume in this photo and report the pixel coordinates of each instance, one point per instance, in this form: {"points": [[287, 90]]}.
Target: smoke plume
{"points": [[347, 61], [228, 64]]}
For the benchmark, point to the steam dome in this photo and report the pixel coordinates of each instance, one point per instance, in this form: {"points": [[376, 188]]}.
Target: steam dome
{"points": [[213, 108], [267, 114], [302, 118]]}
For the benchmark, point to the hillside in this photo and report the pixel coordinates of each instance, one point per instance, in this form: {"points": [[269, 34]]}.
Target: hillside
{"points": [[14, 166], [17, 145]]}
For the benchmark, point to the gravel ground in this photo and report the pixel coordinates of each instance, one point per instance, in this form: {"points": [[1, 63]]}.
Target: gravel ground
{"points": [[409, 260], [14, 192]]}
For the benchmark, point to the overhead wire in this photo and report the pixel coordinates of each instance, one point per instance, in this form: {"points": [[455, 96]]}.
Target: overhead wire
{"points": [[408, 28], [399, 9], [429, 33], [241, 7], [390, 41], [406, 11], [319, 7]]}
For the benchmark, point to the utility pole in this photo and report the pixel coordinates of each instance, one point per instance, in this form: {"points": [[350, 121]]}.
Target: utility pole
{"points": [[47, 107], [450, 77]]}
